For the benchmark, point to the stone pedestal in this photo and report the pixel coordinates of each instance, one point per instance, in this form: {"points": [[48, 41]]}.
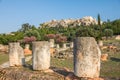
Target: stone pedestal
{"points": [[27, 51], [57, 46], [100, 43], [16, 54], [27, 46], [41, 55], [86, 57], [52, 42], [71, 44], [64, 45]]}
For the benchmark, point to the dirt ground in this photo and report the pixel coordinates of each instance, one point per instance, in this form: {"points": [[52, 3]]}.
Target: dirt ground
{"points": [[26, 74], [20, 73]]}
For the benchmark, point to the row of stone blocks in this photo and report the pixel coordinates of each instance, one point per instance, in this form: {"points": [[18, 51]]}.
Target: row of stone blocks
{"points": [[86, 56]]}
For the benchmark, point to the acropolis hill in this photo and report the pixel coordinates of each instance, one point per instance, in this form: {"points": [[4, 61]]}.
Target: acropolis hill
{"points": [[85, 21]]}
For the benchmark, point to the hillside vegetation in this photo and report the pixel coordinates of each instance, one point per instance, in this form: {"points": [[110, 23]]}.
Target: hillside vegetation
{"points": [[80, 27]]}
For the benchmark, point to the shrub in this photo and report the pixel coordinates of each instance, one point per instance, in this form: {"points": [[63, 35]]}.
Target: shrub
{"points": [[108, 33]]}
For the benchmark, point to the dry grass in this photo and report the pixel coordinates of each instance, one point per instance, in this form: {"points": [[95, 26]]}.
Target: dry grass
{"points": [[110, 68], [3, 57]]}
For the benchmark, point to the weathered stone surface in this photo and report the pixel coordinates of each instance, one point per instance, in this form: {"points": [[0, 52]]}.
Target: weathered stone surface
{"points": [[70, 76], [41, 55], [86, 57], [64, 45], [57, 46], [117, 37], [95, 79], [27, 46], [52, 42], [52, 51], [104, 57], [16, 54], [71, 44], [27, 51], [85, 21], [23, 74], [100, 43], [48, 71], [66, 69], [3, 48]]}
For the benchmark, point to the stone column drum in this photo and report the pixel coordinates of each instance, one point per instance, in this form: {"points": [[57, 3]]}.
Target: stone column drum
{"points": [[100, 43], [71, 44], [52, 42], [64, 45], [16, 54], [27, 46], [57, 46], [41, 55], [86, 57]]}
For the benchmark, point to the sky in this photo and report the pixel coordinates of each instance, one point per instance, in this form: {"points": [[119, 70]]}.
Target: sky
{"points": [[14, 13]]}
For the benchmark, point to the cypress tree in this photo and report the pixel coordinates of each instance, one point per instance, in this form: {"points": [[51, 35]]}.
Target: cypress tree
{"points": [[99, 20], [99, 23]]}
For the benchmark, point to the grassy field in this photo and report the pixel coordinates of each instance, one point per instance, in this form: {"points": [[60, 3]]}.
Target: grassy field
{"points": [[109, 68], [68, 63], [3, 57]]}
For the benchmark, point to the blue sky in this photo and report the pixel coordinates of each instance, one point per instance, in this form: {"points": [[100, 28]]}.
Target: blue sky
{"points": [[13, 13]]}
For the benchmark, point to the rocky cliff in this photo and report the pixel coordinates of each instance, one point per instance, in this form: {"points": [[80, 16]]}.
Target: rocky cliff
{"points": [[85, 21]]}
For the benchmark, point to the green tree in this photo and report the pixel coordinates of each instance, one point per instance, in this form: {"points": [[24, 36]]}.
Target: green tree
{"points": [[99, 20], [3, 40], [88, 32], [25, 27], [108, 33], [33, 27], [116, 26], [35, 33], [99, 24], [83, 32]]}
